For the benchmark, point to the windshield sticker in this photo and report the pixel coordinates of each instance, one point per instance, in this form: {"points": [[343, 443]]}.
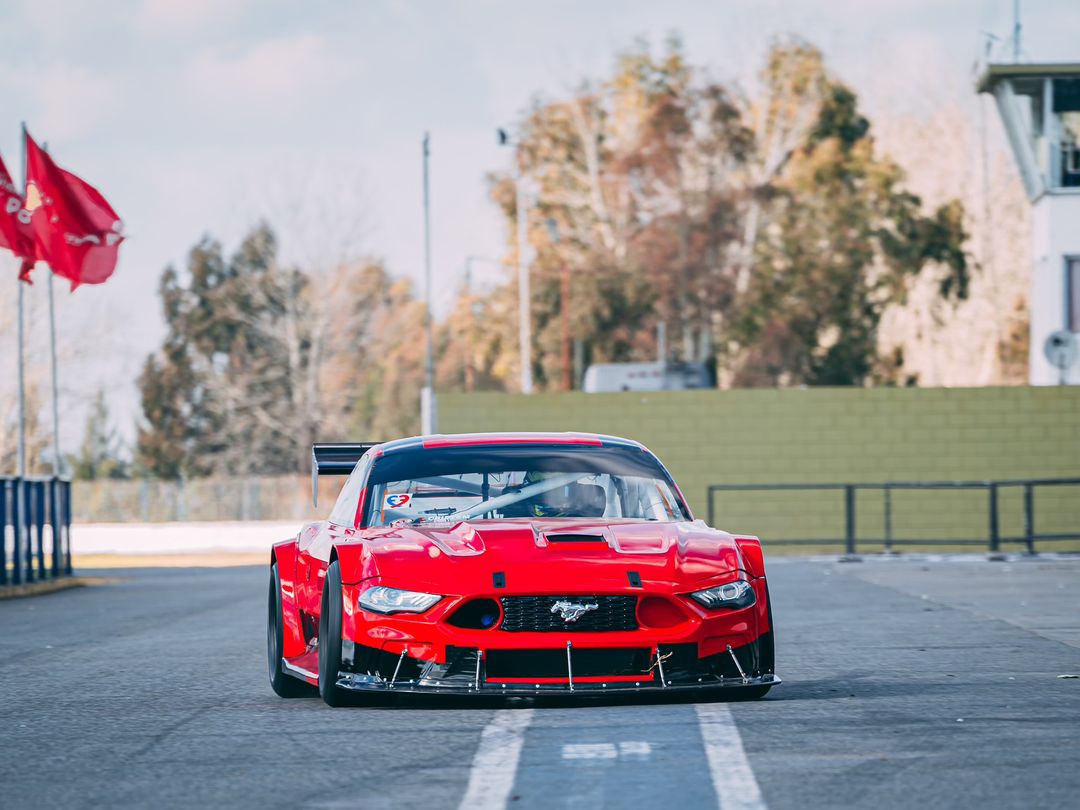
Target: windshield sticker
{"points": [[398, 500]]}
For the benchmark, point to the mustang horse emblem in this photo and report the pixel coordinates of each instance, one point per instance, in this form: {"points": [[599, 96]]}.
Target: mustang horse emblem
{"points": [[572, 611]]}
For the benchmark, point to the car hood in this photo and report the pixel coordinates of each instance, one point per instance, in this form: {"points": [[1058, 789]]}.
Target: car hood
{"points": [[549, 556]]}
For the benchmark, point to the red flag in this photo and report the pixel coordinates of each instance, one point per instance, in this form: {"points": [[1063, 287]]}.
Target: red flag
{"points": [[75, 229], [15, 232]]}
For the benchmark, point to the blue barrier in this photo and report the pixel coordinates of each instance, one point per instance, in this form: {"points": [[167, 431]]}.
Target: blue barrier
{"points": [[27, 505]]}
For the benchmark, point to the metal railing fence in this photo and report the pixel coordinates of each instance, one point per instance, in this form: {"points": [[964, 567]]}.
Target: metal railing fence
{"points": [[35, 529], [202, 499], [994, 538]]}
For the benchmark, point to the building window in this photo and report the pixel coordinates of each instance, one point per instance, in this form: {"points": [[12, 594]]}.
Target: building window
{"points": [[1072, 293], [1067, 118]]}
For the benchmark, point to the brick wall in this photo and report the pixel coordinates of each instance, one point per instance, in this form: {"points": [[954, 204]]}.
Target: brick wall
{"points": [[828, 435]]}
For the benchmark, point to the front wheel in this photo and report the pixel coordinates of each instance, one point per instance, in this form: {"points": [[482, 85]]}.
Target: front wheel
{"points": [[767, 653], [766, 656], [330, 639], [283, 684]]}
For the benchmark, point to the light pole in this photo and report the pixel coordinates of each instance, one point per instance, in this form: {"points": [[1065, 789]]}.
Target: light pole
{"points": [[473, 311], [470, 260], [524, 312], [564, 303], [427, 395]]}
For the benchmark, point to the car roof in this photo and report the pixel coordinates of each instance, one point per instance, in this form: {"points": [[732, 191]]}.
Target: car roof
{"points": [[504, 438]]}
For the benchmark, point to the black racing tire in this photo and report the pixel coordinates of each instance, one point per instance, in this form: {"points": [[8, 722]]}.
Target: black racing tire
{"points": [[330, 639], [283, 684], [767, 656], [768, 641], [767, 653]]}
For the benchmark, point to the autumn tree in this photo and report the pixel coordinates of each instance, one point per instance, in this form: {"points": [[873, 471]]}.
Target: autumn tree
{"points": [[842, 236], [763, 229], [38, 437], [981, 340], [374, 359], [100, 454]]}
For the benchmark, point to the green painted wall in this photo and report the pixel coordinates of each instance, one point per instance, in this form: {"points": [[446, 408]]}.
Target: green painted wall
{"points": [[829, 435]]}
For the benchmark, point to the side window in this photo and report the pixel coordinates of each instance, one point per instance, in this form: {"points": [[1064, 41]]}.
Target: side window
{"points": [[344, 511], [1072, 293]]}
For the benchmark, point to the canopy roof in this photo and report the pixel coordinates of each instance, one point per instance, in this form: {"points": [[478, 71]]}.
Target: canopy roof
{"points": [[1013, 70]]}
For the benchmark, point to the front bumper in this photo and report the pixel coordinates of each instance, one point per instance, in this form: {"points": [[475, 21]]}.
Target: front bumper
{"points": [[679, 647], [667, 668]]}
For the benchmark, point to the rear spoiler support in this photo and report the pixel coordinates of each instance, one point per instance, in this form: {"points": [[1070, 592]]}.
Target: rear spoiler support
{"points": [[334, 458]]}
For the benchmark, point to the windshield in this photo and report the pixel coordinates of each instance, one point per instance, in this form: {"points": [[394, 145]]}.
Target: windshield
{"points": [[450, 484]]}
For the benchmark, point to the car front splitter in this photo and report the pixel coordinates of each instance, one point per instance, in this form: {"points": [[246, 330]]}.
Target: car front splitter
{"points": [[372, 683]]}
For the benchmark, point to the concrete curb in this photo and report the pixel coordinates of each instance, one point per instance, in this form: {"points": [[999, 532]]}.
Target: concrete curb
{"points": [[47, 586], [189, 559]]}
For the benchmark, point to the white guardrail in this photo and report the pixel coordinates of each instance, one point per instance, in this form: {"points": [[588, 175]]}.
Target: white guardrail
{"points": [[179, 538]]}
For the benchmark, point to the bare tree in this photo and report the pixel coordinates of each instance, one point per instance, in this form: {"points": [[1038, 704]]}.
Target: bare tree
{"points": [[792, 88]]}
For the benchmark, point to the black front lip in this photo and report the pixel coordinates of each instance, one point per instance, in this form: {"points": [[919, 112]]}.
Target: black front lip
{"points": [[373, 683], [465, 672]]}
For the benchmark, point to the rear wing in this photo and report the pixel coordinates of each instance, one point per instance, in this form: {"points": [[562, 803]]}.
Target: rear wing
{"points": [[337, 458]]}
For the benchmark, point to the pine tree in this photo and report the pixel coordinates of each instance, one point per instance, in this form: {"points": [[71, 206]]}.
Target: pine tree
{"points": [[261, 359], [223, 394], [100, 455]]}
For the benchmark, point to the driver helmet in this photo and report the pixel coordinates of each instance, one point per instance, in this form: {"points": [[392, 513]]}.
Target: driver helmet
{"points": [[557, 502]]}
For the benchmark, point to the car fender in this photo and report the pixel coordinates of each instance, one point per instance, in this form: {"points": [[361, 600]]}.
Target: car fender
{"points": [[355, 562], [753, 559], [285, 554]]}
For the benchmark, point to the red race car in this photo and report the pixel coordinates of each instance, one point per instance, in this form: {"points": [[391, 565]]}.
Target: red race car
{"points": [[513, 564]]}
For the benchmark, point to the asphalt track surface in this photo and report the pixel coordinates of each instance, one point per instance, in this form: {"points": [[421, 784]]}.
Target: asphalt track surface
{"points": [[907, 684]]}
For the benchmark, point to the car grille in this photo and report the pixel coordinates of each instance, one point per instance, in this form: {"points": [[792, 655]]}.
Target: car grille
{"points": [[552, 663], [522, 614]]}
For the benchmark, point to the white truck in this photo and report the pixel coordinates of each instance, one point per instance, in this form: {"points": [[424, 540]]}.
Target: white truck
{"points": [[653, 376]]}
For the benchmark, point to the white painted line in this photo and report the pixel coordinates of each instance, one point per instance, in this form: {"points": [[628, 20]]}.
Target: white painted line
{"points": [[495, 763], [589, 751], [732, 778], [630, 749], [634, 749]]}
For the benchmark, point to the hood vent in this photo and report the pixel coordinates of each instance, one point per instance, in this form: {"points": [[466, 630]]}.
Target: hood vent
{"points": [[575, 538]]}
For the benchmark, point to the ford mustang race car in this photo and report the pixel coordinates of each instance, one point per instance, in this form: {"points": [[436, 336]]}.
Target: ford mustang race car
{"points": [[513, 564]]}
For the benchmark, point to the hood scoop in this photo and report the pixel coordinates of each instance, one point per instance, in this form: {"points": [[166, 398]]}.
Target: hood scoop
{"points": [[575, 537], [622, 539]]}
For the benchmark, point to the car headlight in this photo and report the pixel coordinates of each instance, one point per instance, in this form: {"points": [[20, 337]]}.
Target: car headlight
{"points": [[733, 595], [381, 599]]}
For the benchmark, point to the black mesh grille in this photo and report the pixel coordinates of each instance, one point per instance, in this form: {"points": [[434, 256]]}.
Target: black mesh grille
{"points": [[552, 663], [534, 614]]}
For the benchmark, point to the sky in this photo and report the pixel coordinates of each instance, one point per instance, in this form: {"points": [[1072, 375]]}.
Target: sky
{"points": [[201, 116]]}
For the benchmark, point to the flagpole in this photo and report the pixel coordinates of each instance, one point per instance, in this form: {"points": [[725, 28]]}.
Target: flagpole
{"points": [[58, 462], [427, 395], [22, 328], [22, 525], [21, 472]]}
